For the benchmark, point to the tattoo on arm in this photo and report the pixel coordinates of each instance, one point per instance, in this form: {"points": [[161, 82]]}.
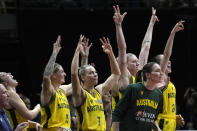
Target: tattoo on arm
{"points": [[147, 41], [50, 66]]}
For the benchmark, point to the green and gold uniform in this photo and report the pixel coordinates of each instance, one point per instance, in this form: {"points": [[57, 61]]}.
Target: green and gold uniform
{"points": [[138, 109], [91, 114], [15, 117], [167, 119], [56, 114]]}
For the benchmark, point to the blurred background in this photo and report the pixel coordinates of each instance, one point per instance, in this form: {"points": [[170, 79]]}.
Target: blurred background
{"points": [[28, 29]]}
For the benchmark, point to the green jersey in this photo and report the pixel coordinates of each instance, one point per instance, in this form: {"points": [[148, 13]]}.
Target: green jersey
{"points": [[138, 109]]}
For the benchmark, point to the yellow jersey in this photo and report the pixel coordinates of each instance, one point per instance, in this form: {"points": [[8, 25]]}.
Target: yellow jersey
{"points": [[169, 102], [15, 117], [90, 115], [56, 114]]}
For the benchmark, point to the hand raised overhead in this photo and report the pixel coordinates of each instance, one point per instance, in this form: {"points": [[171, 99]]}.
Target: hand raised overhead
{"points": [[80, 42], [154, 18], [85, 47], [56, 45], [179, 26], [118, 18], [106, 45]]}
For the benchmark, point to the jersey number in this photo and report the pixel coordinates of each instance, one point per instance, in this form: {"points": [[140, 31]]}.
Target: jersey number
{"points": [[66, 118], [99, 120]]}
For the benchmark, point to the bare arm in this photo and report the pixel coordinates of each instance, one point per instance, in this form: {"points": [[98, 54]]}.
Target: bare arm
{"points": [[116, 126], [146, 43], [16, 102], [168, 48], [67, 89], [157, 126], [122, 59], [115, 71], [47, 89], [78, 93]]}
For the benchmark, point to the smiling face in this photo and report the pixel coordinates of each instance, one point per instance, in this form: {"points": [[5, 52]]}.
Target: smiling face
{"points": [[89, 75]]}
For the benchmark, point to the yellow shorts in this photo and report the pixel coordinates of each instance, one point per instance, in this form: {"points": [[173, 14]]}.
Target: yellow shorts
{"points": [[166, 124]]}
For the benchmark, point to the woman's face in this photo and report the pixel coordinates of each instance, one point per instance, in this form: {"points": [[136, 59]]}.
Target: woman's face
{"points": [[8, 78], [3, 96], [90, 76], [59, 76], [156, 75], [133, 63]]}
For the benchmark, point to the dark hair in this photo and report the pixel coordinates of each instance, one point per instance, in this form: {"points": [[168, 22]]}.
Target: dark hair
{"points": [[141, 74]]}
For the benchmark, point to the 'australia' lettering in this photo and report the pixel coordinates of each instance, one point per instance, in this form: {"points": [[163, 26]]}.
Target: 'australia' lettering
{"points": [[94, 108], [146, 102]]}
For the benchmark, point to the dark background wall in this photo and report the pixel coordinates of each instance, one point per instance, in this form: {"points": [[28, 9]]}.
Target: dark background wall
{"points": [[38, 30]]}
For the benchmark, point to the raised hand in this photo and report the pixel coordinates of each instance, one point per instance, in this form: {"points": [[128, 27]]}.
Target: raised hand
{"points": [[106, 45], [118, 18], [154, 18], [85, 47], [179, 26], [80, 42], [56, 45]]}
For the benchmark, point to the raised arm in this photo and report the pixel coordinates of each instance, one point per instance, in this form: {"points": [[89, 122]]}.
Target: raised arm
{"points": [[168, 48], [122, 59], [85, 51], [47, 89], [115, 71], [146, 43], [78, 94]]}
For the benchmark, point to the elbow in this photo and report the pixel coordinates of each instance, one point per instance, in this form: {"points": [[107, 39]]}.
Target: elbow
{"points": [[29, 116], [116, 77]]}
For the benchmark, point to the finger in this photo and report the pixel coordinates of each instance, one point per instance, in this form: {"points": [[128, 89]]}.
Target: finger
{"points": [[182, 21], [90, 45], [124, 14], [87, 41], [84, 40], [118, 9], [102, 42], [81, 38], [115, 11], [157, 19], [153, 11], [108, 41], [58, 40]]}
